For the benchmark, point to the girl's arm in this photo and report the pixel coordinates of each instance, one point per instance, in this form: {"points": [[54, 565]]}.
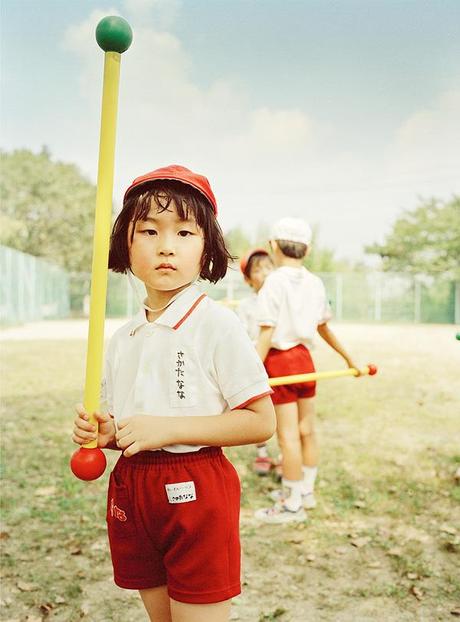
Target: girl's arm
{"points": [[254, 423], [329, 337], [264, 341]]}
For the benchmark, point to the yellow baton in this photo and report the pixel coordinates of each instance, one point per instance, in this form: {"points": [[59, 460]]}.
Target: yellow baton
{"points": [[369, 370], [114, 36]]}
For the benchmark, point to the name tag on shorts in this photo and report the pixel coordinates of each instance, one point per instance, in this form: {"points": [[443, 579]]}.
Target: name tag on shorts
{"points": [[182, 492]]}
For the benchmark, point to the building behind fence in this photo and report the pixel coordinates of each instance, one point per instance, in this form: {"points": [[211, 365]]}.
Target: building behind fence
{"points": [[33, 289]]}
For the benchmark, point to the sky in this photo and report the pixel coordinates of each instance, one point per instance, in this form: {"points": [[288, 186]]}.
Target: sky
{"points": [[344, 112]]}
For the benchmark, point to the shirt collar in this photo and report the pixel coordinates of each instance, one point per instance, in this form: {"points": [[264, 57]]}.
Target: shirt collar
{"points": [[294, 272], [174, 315]]}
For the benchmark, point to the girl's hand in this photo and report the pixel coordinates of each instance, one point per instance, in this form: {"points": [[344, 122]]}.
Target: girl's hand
{"points": [[352, 365], [84, 431], [143, 432]]}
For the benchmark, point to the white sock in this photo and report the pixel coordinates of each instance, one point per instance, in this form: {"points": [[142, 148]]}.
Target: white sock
{"points": [[262, 451], [294, 501], [308, 482]]}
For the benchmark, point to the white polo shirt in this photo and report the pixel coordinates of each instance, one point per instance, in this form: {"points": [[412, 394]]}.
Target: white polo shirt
{"points": [[247, 312], [294, 301], [196, 359]]}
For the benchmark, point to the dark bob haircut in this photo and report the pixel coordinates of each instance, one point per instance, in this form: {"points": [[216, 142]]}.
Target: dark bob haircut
{"points": [[296, 250], [188, 202]]}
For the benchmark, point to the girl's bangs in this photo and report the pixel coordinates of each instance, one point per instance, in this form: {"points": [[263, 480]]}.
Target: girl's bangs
{"points": [[186, 206]]}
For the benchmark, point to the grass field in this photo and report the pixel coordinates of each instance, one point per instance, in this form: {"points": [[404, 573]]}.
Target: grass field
{"points": [[383, 544]]}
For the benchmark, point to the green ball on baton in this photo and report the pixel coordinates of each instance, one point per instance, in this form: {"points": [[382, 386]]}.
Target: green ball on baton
{"points": [[114, 34]]}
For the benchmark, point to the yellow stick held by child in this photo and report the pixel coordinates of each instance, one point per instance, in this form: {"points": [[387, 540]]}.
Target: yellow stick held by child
{"points": [[114, 36], [368, 370]]}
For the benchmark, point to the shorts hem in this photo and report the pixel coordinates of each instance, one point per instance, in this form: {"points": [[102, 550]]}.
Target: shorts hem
{"points": [[289, 400], [138, 584], [205, 598]]}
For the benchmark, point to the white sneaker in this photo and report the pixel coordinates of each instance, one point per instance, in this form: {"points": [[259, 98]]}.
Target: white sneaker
{"points": [[308, 500], [280, 514]]}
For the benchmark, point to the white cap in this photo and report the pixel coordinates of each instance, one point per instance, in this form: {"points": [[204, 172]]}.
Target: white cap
{"points": [[291, 230]]}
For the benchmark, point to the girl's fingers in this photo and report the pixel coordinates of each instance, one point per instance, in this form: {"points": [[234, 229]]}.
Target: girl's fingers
{"points": [[124, 441], [81, 410], [86, 436], [133, 449], [80, 440], [82, 424], [77, 439], [102, 418], [122, 432]]}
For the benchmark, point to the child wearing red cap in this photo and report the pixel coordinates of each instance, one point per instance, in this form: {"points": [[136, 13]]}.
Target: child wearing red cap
{"points": [[292, 307], [255, 266], [182, 379]]}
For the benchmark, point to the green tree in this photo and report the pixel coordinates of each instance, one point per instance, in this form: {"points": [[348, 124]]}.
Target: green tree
{"points": [[47, 209], [319, 259], [238, 242], [424, 241]]}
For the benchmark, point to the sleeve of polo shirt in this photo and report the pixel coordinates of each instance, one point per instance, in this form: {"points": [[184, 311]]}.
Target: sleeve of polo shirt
{"points": [[325, 309], [241, 375], [268, 303]]}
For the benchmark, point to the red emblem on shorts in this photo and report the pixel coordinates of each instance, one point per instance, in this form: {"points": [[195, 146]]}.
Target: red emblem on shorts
{"points": [[116, 512]]}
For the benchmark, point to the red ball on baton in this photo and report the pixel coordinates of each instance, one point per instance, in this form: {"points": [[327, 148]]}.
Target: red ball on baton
{"points": [[88, 463]]}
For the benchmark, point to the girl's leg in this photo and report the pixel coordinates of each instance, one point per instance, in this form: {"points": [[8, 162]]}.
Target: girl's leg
{"points": [[288, 506], [310, 453], [213, 612], [287, 417], [157, 603], [310, 450]]}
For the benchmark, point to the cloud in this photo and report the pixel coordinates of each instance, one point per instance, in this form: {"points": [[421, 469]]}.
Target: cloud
{"points": [[279, 128], [427, 144], [164, 116], [262, 161], [161, 12]]}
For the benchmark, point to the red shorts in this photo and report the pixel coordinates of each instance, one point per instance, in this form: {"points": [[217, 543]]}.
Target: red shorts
{"points": [[173, 519], [296, 360]]}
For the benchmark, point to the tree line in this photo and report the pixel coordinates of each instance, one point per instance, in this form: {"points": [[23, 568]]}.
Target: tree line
{"points": [[48, 211]]}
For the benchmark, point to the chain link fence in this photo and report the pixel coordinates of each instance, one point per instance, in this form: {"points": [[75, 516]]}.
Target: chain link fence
{"points": [[33, 289], [372, 296], [392, 297]]}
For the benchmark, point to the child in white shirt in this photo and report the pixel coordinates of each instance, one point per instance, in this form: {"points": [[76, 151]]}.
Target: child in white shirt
{"points": [[182, 379], [292, 307]]}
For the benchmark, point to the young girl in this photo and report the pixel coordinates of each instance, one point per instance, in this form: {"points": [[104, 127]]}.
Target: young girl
{"points": [[182, 379]]}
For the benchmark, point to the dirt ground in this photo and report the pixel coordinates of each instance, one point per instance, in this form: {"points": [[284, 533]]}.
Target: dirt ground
{"points": [[382, 545]]}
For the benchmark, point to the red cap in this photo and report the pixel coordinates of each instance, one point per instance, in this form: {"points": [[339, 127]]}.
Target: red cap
{"points": [[178, 173], [246, 258]]}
